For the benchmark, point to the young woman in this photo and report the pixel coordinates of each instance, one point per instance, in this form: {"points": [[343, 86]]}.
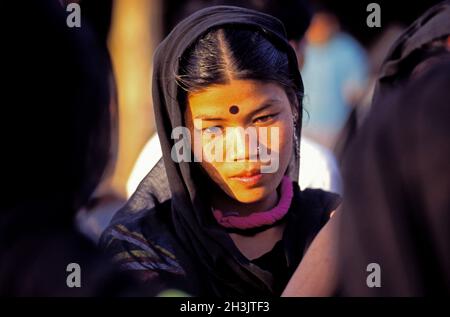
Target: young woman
{"points": [[226, 227]]}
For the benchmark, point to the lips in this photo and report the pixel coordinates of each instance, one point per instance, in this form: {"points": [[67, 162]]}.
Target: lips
{"points": [[251, 177]]}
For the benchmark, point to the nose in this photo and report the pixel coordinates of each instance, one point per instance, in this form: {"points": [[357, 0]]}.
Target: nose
{"points": [[237, 146]]}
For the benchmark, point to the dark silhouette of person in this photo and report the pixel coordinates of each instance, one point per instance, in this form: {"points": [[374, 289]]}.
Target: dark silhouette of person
{"points": [[55, 148]]}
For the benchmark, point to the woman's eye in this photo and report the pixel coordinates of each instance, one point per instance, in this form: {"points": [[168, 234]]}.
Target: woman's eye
{"points": [[264, 119], [214, 129]]}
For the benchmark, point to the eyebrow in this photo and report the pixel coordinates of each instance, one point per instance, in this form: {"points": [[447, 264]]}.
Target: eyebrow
{"points": [[206, 118], [266, 104]]}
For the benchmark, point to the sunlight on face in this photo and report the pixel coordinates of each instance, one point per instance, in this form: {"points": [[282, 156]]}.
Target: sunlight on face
{"points": [[260, 105]]}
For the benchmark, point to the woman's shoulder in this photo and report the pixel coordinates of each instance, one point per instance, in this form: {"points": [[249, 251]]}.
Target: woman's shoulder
{"points": [[316, 205], [309, 213], [142, 242], [318, 198]]}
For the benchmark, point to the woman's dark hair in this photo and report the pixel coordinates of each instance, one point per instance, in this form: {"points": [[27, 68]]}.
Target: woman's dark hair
{"points": [[235, 53]]}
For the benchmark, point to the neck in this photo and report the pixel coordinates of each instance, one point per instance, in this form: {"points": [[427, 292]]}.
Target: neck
{"points": [[223, 202]]}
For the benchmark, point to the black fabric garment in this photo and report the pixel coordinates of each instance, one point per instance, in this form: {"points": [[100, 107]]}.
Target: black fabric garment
{"points": [[396, 210], [196, 246], [410, 48], [145, 242], [411, 52], [35, 255], [275, 262]]}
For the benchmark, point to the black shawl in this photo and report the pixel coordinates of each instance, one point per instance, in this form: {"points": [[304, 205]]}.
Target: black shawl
{"points": [[410, 48], [396, 210], [410, 53]]}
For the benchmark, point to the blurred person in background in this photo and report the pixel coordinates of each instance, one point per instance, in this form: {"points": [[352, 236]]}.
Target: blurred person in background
{"points": [[57, 144], [377, 53], [394, 225], [424, 43], [404, 224], [95, 215], [335, 73], [396, 211]]}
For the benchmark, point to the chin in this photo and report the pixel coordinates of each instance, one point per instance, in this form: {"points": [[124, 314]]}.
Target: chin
{"points": [[249, 196]]}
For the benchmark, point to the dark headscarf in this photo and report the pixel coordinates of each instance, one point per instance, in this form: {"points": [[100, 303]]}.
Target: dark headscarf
{"points": [[396, 210], [410, 48], [413, 52], [190, 211]]}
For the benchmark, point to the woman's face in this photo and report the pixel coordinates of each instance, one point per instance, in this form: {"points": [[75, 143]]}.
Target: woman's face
{"points": [[243, 134]]}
